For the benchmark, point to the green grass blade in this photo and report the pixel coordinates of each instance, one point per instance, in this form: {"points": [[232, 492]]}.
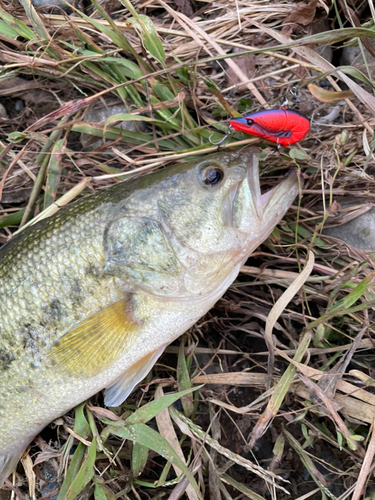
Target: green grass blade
{"points": [[119, 37], [81, 426], [355, 294], [35, 20], [146, 32], [240, 487], [150, 39], [54, 172], [101, 491], [84, 475], [139, 458], [150, 410], [72, 471], [12, 219], [146, 436], [18, 26], [184, 382], [7, 31]]}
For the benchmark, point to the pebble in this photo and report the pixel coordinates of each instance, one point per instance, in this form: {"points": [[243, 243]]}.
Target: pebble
{"points": [[100, 115], [49, 3], [359, 232]]}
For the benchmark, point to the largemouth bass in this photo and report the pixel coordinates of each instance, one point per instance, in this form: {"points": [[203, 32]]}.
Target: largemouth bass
{"points": [[90, 297]]}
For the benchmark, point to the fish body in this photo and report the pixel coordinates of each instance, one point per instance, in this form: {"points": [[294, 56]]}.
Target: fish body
{"points": [[283, 126], [90, 297]]}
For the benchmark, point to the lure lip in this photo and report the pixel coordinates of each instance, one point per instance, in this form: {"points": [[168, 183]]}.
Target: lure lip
{"points": [[239, 123], [242, 125]]}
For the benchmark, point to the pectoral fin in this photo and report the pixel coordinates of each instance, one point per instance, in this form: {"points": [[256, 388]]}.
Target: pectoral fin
{"points": [[98, 341], [120, 390]]}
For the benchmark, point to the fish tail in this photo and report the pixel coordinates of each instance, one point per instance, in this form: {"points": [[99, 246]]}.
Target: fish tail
{"points": [[7, 465]]}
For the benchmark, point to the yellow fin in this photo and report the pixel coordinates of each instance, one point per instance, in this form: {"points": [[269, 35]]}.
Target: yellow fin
{"points": [[97, 341], [120, 390]]}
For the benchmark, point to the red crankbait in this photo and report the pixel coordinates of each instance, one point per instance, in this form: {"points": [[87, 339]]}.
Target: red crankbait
{"points": [[282, 125]]}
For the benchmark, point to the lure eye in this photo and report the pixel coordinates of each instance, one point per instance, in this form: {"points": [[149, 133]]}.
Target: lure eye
{"points": [[212, 175], [249, 121]]}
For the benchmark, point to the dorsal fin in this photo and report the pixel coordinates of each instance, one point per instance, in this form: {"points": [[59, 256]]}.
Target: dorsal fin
{"points": [[97, 342]]}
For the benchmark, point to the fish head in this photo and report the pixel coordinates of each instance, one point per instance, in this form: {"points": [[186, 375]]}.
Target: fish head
{"points": [[216, 205], [214, 214], [186, 230]]}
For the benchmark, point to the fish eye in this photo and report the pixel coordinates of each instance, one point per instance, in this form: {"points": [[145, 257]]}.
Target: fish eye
{"points": [[249, 121], [212, 175]]}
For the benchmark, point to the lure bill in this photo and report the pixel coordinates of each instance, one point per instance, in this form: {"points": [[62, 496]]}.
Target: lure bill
{"points": [[283, 126]]}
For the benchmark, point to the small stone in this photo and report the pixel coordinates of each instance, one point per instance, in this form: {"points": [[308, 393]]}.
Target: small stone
{"points": [[352, 56], [50, 476], [52, 3], [100, 115], [359, 232], [3, 112], [324, 50], [19, 105]]}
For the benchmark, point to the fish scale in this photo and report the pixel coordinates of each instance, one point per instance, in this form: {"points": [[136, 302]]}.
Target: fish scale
{"points": [[90, 297]]}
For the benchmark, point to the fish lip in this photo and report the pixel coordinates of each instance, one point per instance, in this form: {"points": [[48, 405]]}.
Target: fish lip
{"points": [[253, 179], [292, 181], [265, 209], [284, 192]]}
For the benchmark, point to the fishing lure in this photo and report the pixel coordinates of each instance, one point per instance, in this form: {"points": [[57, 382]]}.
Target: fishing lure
{"points": [[283, 126]]}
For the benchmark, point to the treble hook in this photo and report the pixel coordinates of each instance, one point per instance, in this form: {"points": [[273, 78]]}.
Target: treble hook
{"points": [[274, 151], [293, 91], [228, 134], [285, 104]]}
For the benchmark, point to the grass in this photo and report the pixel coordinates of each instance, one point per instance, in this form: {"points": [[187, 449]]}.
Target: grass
{"points": [[271, 395]]}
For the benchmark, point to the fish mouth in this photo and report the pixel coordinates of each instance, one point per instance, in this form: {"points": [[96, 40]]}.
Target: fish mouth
{"points": [[281, 195], [252, 212]]}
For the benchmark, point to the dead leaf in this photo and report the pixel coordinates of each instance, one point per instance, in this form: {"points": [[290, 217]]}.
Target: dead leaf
{"points": [[247, 66], [303, 14], [365, 467], [185, 7], [28, 467], [334, 208], [329, 95]]}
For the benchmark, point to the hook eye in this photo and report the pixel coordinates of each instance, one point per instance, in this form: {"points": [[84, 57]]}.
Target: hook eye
{"points": [[284, 104]]}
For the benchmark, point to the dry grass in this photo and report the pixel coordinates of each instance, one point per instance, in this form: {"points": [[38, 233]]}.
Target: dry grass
{"points": [[287, 356]]}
